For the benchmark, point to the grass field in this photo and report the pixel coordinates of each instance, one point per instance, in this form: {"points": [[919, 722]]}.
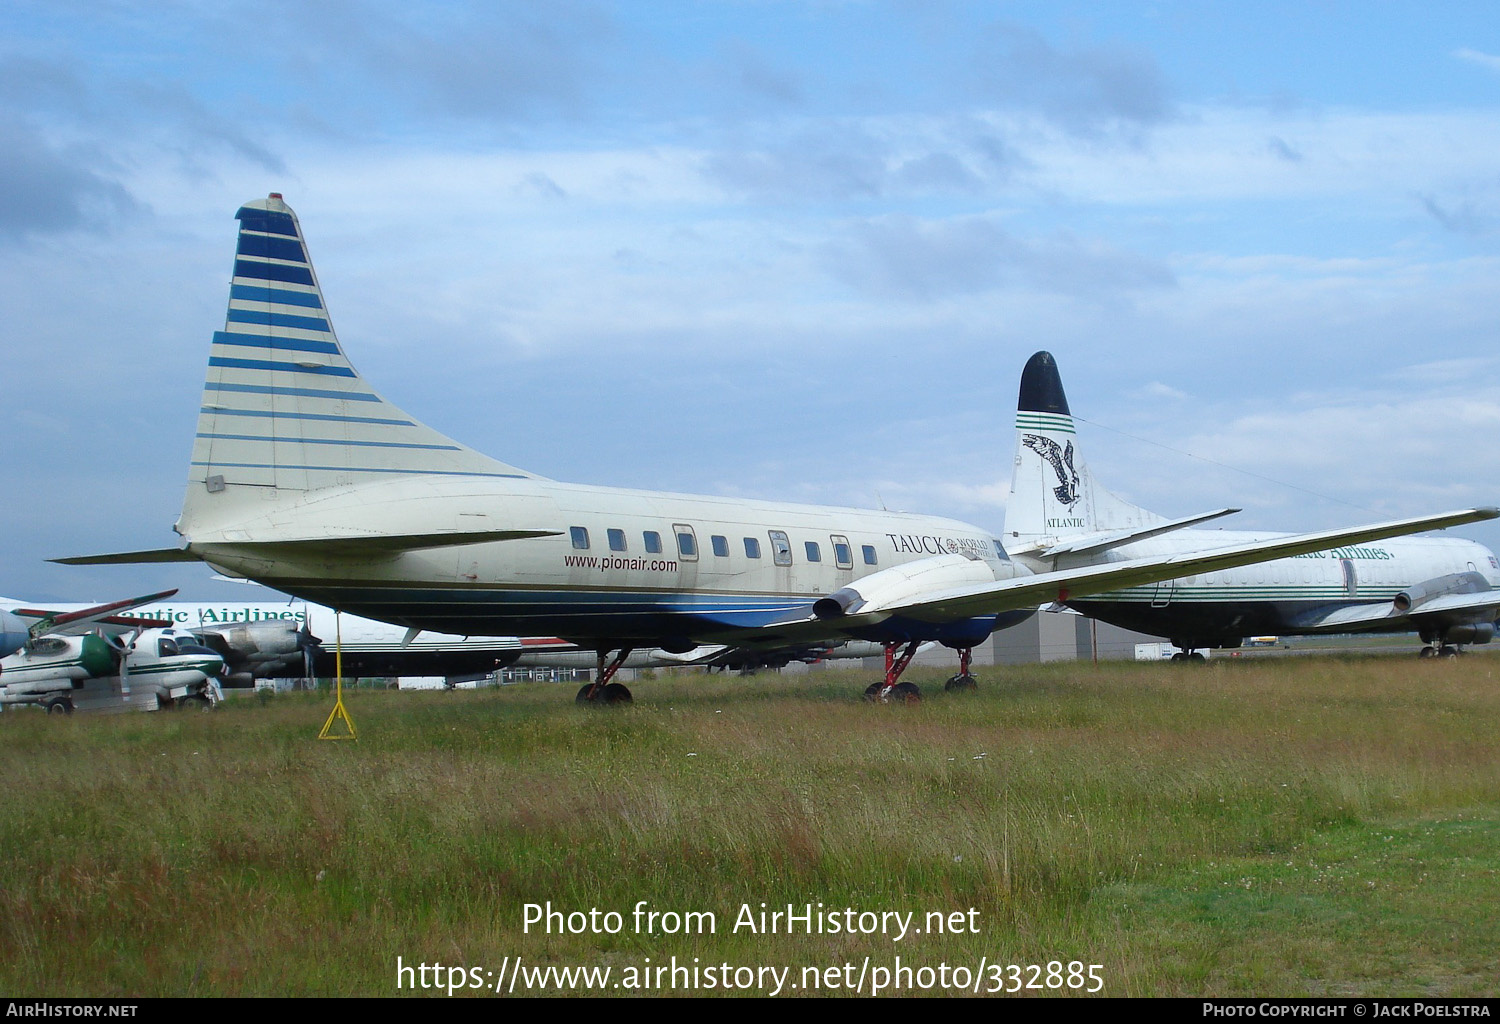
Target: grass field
{"points": [[1260, 827]]}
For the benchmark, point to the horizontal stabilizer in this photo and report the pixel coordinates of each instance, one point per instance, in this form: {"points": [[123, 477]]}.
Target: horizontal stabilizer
{"points": [[1095, 542], [130, 557], [371, 544]]}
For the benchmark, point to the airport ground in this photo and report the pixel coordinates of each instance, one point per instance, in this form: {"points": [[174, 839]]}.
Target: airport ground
{"points": [[1255, 826]]}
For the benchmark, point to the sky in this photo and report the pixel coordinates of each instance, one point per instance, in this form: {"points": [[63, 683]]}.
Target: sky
{"points": [[795, 250]]}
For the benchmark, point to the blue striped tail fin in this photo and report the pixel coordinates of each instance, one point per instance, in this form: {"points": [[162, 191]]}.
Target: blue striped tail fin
{"points": [[283, 408]]}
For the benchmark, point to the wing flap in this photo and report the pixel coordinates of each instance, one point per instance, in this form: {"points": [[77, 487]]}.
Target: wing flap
{"points": [[1352, 618], [1449, 604]]}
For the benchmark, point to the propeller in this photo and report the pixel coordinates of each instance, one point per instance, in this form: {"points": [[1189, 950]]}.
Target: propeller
{"points": [[309, 645], [122, 646]]}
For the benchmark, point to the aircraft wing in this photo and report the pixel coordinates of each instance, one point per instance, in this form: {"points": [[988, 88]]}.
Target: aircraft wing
{"points": [[848, 609], [88, 619], [1352, 618]]}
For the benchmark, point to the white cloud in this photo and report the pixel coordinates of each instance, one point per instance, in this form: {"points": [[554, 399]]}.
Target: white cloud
{"points": [[1484, 60]]}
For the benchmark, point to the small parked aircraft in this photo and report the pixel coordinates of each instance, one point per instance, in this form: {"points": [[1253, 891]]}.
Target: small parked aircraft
{"points": [[123, 664]]}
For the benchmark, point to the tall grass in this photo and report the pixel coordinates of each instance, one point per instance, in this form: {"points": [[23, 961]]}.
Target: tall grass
{"points": [[1157, 820]]}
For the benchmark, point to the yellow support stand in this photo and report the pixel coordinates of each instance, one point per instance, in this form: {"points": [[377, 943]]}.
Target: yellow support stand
{"points": [[339, 712]]}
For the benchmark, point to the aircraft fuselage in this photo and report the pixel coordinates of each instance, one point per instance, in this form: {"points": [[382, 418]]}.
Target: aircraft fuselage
{"points": [[1284, 596], [639, 566]]}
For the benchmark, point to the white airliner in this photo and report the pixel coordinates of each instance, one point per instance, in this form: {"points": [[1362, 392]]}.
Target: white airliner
{"points": [[1445, 589], [305, 479]]}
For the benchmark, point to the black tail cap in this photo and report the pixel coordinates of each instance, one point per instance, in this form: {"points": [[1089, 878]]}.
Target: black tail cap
{"points": [[1041, 386]]}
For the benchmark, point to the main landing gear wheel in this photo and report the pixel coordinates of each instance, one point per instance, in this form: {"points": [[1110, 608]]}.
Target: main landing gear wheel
{"points": [[889, 691], [612, 693], [901, 693], [1427, 652], [59, 706], [602, 690], [962, 683]]}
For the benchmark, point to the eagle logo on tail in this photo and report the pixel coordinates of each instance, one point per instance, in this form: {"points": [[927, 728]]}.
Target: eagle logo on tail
{"points": [[1062, 464]]}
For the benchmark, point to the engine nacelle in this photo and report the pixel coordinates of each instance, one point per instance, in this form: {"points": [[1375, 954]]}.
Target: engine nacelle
{"points": [[1474, 633], [265, 648], [14, 632], [56, 663], [904, 584], [1440, 586]]}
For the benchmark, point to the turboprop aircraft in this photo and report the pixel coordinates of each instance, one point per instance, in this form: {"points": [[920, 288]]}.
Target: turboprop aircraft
{"points": [[305, 479], [1445, 589], [142, 670]]}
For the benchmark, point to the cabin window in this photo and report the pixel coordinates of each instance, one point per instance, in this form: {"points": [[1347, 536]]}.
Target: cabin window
{"points": [[580, 535], [843, 555], [617, 540], [687, 542], [781, 548], [868, 550], [653, 542], [752, 547], [813, 553], [720, 545]]}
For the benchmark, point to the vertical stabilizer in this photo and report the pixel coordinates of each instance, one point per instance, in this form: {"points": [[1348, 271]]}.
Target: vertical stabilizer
{"points": [[1052, 494], [284, 411]]}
